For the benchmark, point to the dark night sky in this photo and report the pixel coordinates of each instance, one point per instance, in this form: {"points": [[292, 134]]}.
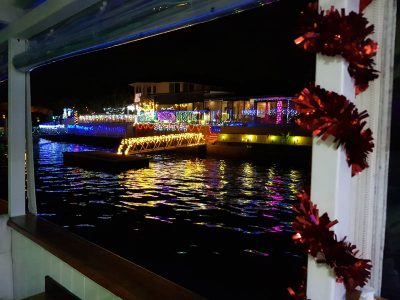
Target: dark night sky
{"points": [[250, 53]]}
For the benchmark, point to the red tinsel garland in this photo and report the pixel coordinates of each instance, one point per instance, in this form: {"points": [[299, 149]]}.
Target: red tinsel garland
{"points": [[327, 114], [313, 231], [335, 33], [364, 4]]}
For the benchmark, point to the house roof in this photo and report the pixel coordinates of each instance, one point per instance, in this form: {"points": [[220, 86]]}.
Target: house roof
{"points": [[60, 29]]}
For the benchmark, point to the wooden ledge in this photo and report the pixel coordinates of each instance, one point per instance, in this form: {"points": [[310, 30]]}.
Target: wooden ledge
{"points": [[118, 275]]}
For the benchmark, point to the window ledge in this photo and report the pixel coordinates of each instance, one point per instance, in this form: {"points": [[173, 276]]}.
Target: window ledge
{"points": [[118, 275]]}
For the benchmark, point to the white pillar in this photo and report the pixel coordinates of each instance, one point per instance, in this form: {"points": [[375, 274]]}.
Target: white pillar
{"points": [[16, 132], [30, 168], [370, 187], [331, 176]]}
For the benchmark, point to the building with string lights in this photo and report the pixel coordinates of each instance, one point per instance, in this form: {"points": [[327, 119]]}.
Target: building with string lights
{"points": [[200, 103]]}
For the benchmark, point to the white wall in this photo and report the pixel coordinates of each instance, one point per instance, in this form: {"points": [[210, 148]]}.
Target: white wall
{"points": [[6, 283], [31, 263]]}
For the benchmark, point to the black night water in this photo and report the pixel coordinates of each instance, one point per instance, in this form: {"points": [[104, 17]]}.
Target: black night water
{"points": [[218, 227]]}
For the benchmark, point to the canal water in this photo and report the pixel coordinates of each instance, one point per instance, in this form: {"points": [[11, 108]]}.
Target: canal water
{"points": [[221, 228]]}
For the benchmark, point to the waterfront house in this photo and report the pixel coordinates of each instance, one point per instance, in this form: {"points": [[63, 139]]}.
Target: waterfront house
{"points": [[35, 33], [221, 106]]}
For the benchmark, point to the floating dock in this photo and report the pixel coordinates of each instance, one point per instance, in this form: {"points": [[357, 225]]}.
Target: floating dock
{"points": [[105, 161]]}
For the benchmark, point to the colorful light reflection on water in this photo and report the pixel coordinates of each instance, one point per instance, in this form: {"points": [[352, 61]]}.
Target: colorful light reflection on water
{"points": [[182, 217]]}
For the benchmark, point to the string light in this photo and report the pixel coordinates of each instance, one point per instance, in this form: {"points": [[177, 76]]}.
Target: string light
{"points": [[76, 117], [51, 129], [279, 112], [270, 99], [109, 130], [141, 126], [106, 118], [251, 112], [150, 143], [171, 127], [146, 117], [187, 116], [166, 115], [196, 116], [197, 128]]}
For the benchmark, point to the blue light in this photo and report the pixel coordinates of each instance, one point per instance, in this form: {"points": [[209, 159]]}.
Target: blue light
{"points": [[230, 123], [101, 130], [79, 128]]}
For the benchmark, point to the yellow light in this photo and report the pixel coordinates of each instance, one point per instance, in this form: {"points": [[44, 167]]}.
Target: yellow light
{"points": [[297, 140], [148, 143]]}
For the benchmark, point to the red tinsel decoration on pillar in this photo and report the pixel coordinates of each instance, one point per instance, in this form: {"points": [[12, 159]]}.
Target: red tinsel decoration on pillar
{"points": [[326, 114], [314, 232], [364, 4], [335, 33]]}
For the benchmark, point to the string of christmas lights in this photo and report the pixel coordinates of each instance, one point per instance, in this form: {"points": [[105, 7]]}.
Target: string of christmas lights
{"points": [[145, 126], [150, 143], [171, 127], [105, 118]]}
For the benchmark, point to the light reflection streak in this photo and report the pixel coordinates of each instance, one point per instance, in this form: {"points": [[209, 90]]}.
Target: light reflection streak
{"points": [[248, 178], [161, 219], [256, 252], [104, 217]]}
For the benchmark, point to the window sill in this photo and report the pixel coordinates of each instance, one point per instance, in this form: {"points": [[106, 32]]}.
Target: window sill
{"points": [[116, 274]]}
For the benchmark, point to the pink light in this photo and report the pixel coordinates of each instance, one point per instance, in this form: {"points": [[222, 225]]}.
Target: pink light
{"points": [[278, 112], [268, 216], [276, 229], [277, 197]]}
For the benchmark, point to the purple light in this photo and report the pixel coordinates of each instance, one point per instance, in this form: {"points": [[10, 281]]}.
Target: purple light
{"points": [[166, 115]]}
